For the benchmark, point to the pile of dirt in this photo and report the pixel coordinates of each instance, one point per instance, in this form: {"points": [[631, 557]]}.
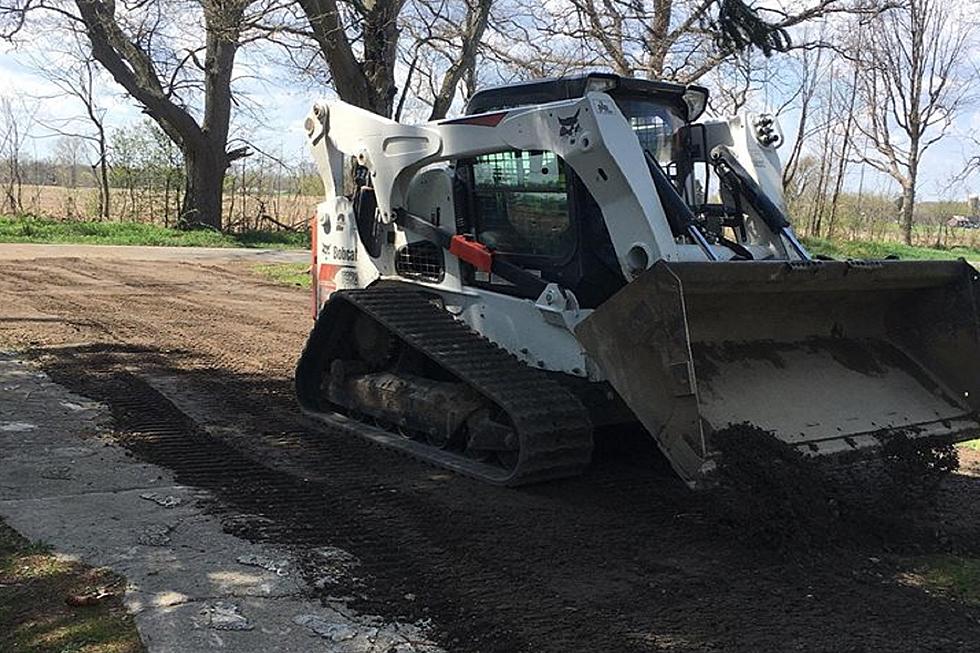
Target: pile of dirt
{"points": [[769, 493], [915, 468], [773, 495]]}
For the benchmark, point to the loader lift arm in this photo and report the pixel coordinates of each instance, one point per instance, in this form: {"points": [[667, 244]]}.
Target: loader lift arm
{"points": [[475, 253], [741, 184]]}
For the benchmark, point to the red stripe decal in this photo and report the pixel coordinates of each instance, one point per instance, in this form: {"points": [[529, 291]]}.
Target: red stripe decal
{"points": [[482, 120], [327, 272], [313, 285]]}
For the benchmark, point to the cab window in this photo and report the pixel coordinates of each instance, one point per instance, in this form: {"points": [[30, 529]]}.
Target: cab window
{"points": [[520, 201]]}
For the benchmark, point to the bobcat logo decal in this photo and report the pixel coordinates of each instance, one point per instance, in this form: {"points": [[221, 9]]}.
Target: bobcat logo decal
{"points": [[569, 125]]}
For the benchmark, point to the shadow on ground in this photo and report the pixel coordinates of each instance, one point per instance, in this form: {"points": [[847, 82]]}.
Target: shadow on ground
{"points": [[624, 558]]}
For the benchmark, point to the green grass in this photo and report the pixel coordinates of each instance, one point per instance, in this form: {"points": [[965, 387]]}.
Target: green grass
{"points": [[288, 274], [42, 230], [953, 576], [972, 444], [866, 249], [34, 614]]}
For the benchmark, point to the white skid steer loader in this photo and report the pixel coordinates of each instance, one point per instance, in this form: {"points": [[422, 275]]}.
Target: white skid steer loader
{"points": [[581, 252]]}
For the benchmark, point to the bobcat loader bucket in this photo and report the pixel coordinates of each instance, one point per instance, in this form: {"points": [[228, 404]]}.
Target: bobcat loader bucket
{"points": [[831, 357]]}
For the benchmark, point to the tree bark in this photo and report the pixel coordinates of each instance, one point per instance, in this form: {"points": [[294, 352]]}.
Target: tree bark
{"points": [[908, 212], [370, 83], [203, 186], [477, 17], [104, 202]]}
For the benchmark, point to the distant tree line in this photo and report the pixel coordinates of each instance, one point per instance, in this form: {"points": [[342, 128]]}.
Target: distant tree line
{"points": [[145, 180]]}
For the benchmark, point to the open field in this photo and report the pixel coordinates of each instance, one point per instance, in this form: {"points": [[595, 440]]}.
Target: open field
{"points": [[41, 230], [194, 361], [867, 249], [246, 211]]}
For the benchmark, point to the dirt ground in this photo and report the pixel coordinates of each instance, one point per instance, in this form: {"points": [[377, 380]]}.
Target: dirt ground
{"points": [[622, 559]]}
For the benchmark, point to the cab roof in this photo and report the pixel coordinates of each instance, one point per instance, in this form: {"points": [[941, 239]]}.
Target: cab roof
{"points": [[692, 99]]}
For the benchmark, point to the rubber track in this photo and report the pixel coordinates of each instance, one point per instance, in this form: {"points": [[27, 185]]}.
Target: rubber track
{"points": [[554, 430]]}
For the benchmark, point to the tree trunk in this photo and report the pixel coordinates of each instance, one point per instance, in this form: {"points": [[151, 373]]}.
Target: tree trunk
{"points": [[477, 18], [204, 179], [105, 203], [908, 211], [369, 83]]}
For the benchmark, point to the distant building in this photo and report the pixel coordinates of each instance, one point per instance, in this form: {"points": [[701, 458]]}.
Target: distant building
{"points": [[963, 221]]}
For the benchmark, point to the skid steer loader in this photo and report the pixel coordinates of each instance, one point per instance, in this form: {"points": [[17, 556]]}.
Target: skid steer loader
{"points": [[580, 252]]}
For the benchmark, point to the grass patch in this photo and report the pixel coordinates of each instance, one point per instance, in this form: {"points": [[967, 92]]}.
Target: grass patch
{"points": [[35, 615], [288, 274], [867, 249], [972, 444], [43, 230], [951, 576]]}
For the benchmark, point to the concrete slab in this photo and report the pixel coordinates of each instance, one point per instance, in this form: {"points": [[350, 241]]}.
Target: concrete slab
{"points": [[30, 251], [191, 586]]}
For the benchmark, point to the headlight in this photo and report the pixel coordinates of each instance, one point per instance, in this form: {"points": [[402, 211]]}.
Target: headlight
{"points": [[767, 130], [600, 84], [696, 99]]}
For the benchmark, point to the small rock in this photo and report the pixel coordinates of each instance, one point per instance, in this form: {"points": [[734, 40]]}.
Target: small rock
{"points": [[409, 597], [332, 630], [167, 501], [278, 567], [334, 554], [327, 580], [155, 535], [17, 427], [222, 615], [59, 473], [75, 407], [90, 598]]}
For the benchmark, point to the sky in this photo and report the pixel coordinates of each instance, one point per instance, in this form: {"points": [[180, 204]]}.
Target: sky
{"points": [[274, 122], [279, 106]]}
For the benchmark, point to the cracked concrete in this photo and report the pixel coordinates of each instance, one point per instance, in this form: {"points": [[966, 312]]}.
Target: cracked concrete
{"points": [[191, 586]]}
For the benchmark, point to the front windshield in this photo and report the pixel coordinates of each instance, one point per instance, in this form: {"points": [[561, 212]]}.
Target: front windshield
{"points": [[656, 126]]}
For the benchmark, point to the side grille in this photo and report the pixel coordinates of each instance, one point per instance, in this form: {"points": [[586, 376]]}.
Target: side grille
{"points": [[422, 261]]}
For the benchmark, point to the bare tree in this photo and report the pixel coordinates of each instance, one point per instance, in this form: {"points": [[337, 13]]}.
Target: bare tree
{"points": [[462, 59], [78, 78], [361, 44], [912, 84], [845, 101], [367, 80], [146, 49], [16, 122], [810, 70], [657, 39]]}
